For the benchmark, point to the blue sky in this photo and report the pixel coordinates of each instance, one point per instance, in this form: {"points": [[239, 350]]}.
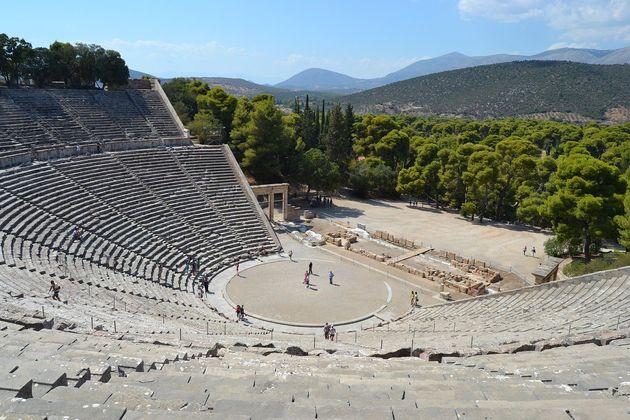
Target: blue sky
{"points": [[268, 41]]}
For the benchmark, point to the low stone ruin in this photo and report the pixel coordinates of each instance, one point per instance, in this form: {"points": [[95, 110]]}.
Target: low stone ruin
{"points": [[454, 281], [402, 242], [343, 239]]}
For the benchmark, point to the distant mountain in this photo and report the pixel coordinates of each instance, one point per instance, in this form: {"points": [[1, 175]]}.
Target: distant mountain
{"points": [[619, 56], [235, 86], [321, 80], [242, 87], [135, 74], [545, 89]]}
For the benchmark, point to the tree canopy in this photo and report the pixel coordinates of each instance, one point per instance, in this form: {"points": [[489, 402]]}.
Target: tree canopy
{"points": [[78, 66], [565, 176]]}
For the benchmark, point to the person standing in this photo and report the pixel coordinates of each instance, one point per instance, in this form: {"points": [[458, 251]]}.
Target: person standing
{"points": [[238, 312], [533, 251], [238, 269], [54, 288], [332, 333], [326, 331], [310, 267], [206, 283], [330, 276], [291, 255], [525, 250]]}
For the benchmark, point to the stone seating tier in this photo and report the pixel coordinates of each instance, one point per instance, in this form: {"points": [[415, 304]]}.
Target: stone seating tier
{"points": [[140, 212], [99, 377], [38, 117]]}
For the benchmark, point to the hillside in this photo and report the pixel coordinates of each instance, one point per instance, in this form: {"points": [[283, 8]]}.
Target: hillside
{"points": [[242, 87], [323, 80], [521, 88], [135, 74], [320, 79]]}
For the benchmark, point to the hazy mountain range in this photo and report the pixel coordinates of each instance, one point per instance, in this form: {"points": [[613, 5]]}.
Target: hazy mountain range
{"points": [[316, 79]]}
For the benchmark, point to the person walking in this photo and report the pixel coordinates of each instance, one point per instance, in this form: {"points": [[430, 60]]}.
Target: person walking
{"points": [[238, 312], [238, 269], [242, 312], [305, 278], [533, 251], [326, 331], [332, 333], [525, 250], [206, 283], [186, 265], [310, 267], [54, 289], [330, 276], [291, 255]]}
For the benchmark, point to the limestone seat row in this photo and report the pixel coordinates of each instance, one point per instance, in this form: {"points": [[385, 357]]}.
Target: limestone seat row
{"points": [[36, 117]]}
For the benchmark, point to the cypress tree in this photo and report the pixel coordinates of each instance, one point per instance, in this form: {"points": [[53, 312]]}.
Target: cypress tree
{"points": [[318, 131], [323, 126], [296, 105]]}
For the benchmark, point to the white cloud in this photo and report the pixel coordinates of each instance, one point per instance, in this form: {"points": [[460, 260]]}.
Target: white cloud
{"points": [[211, 47], [502, 10], [563, 44], [580, 22]]}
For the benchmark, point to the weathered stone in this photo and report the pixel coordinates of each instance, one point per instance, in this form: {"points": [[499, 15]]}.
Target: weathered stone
{"points": [[296, 351]]}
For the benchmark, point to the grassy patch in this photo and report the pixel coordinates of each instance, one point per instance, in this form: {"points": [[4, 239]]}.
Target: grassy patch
{"points": [[607, 262]]}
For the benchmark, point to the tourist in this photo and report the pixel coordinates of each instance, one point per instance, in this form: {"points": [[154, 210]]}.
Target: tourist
{"points": [[533, 251], [412, 297], [200, 290], [242, 312], [330, 276], [206, 283], [291, 255], [310, 268], [525, 250], [238, 266], [54, 289], [326, 331], [332, 333], [238, 312], [416, 299]]}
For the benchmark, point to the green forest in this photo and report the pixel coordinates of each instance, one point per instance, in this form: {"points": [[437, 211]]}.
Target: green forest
{"points": [[571, 178], [77, 66]]}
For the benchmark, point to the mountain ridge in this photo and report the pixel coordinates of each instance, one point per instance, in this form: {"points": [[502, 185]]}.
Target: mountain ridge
{"points": [[449, 61], [528, 88]]}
